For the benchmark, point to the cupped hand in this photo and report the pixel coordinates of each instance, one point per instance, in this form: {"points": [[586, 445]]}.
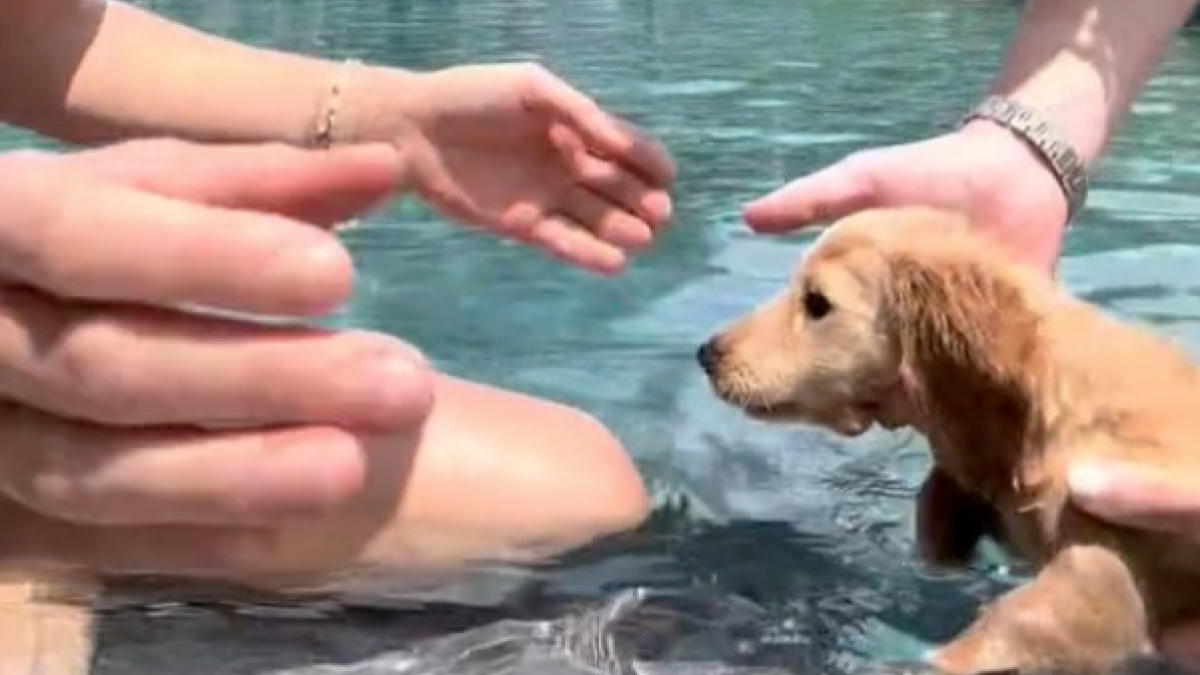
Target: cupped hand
{"points": [[516, 150], [118, 408], [982, 170]]}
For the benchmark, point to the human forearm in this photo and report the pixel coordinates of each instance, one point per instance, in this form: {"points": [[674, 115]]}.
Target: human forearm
{"points": [[1082, 62], [88, 71]]}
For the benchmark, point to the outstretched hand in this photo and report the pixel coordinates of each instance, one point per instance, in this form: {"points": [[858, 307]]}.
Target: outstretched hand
{"points": [[982, 170], [516, 150]]}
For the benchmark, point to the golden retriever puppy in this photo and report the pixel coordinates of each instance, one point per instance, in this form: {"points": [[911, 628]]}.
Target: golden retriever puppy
{"points": [[909, 317]]}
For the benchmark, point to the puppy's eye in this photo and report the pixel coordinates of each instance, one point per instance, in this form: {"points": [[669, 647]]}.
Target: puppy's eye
{"points": [[816, 305]]}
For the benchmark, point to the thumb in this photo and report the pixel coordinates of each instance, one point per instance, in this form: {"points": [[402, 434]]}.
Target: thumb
{"points": [[828, 194], [1136, 495]]}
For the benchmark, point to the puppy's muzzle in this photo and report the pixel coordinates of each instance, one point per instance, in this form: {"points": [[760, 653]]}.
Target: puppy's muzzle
{"points": [[709, 356]]}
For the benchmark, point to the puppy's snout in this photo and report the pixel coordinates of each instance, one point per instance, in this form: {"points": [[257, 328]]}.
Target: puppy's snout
{"points": [[709, 356]]}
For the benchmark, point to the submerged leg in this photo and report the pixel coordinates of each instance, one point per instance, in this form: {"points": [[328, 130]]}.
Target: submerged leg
{"points": [[950, 521], [1082, 612], [45, 628]]}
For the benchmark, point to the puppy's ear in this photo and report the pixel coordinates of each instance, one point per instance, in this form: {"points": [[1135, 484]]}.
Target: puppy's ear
{"points": [[971, 340], [955, 317]]}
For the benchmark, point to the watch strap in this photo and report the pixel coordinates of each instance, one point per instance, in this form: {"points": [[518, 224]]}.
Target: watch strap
{"points": [[1052, 147]]}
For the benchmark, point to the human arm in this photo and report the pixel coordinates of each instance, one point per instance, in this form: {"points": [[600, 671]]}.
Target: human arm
{"points": [[576, 181], [90, 71], [1082, 63], [1078, 63], [123, 416]]}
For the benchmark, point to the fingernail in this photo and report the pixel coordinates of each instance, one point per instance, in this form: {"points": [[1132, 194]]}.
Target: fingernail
{"points": [[750, 210], [408, 398], [311, 471], [658, 208], [317, 276], [389, 388], [1090, 481]]}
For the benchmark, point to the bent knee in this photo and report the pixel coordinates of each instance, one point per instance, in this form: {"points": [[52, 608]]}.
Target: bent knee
{"points": [[609, 494], [582, 482], [540, 477]]}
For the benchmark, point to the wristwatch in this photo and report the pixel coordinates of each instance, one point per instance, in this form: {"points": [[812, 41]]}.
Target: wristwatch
{"points": [[1053, 149]]}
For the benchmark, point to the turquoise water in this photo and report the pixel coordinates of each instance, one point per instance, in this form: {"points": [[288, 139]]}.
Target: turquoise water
{"points": [[784, 550]]}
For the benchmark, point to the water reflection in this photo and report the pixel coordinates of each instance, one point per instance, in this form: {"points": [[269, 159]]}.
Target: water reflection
{"points": [[775, 549], [687, 597]]}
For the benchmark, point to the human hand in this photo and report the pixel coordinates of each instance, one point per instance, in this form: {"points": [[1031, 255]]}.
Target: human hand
{"points": [[516, 150], [1139, 496], [981, 169], [111, 399], [1146, 497]]}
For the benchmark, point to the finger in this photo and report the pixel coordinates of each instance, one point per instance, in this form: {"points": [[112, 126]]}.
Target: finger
{"points": [[34, 540], [322, 187], [831, 193], [548, 94], [141, 366], [91, 240], [92, 474], [609, 179], [188, 551], [1136, 495], [568, 240], [608, 222], [563, 239]]}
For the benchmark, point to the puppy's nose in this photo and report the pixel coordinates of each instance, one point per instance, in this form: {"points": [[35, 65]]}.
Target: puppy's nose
{"points": [[708, 355]]}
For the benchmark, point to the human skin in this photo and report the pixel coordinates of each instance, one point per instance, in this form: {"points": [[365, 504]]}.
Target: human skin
{"points": [[428, 505], [581, 185], [576, 182], [1080, 64]]}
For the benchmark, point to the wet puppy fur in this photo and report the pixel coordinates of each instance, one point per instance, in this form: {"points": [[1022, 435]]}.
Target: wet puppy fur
{"points": [[910, 318]]}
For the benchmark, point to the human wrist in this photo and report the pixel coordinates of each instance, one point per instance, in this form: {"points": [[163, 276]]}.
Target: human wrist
{"points": [[1012, 168], [1083, 119], [1042, 140], [1047, 71], [377, 103], [1061, 62]]}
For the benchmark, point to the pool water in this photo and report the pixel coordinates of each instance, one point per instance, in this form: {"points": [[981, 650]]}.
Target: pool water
{"points": [[776, 550]]}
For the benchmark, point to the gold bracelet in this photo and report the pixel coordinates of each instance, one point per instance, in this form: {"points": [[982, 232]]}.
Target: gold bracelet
{"points": [[323, 136]]}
